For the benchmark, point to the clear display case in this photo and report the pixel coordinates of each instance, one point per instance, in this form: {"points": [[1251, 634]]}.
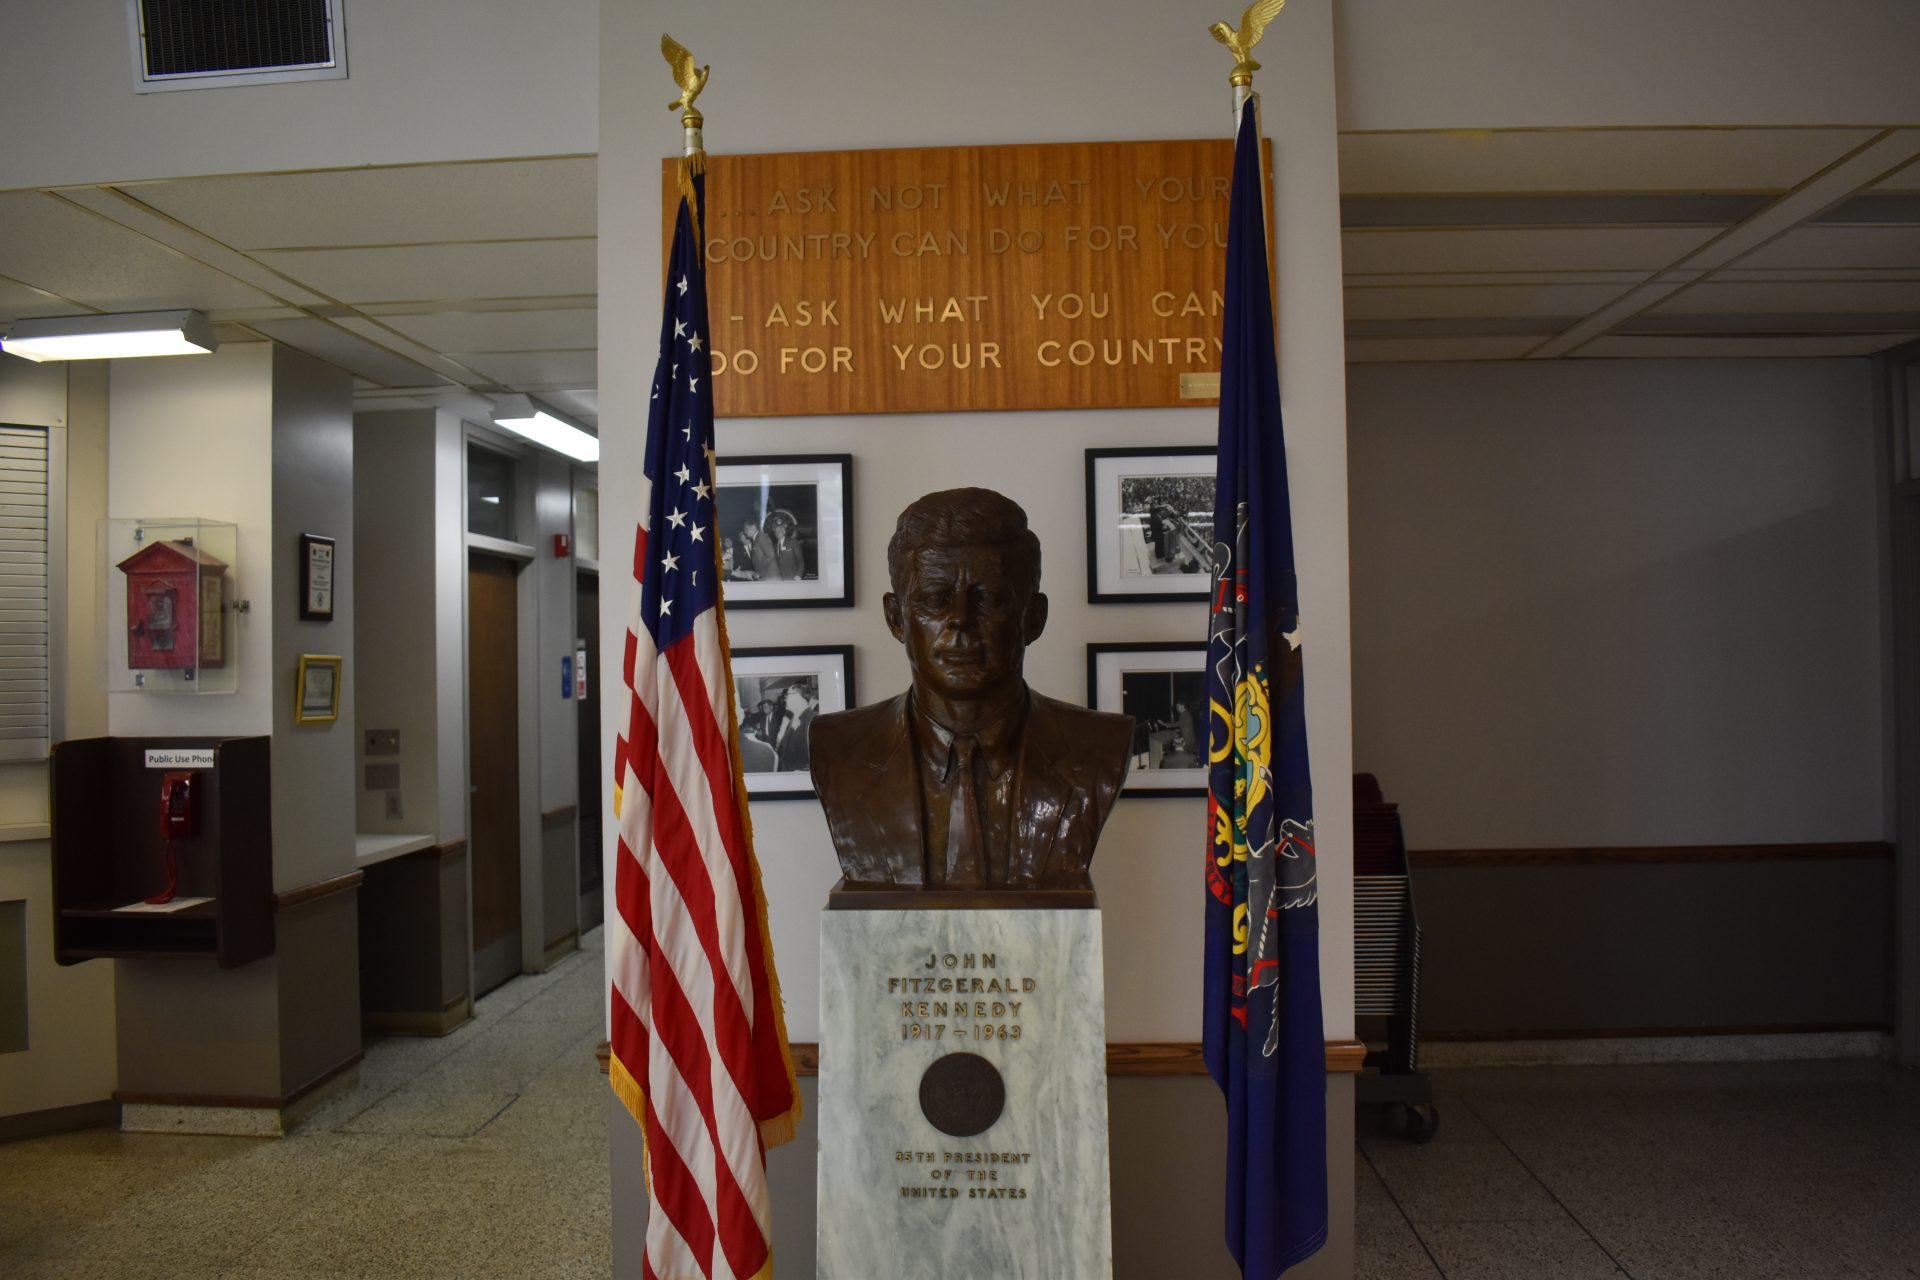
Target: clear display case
{"points": [[171, 605]]}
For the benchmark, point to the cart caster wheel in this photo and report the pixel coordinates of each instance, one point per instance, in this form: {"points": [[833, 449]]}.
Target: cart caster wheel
{"points": [[1420, 1124]]}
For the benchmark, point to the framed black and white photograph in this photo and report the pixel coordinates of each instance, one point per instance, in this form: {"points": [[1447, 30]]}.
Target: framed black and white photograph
{"points": [[779, 692], [1164, 688], [1149, 524], [784, 526], [316, 578]]}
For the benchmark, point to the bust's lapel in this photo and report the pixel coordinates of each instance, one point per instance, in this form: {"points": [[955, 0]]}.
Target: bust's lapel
{"points": [[885, 823], [1051, 801]]}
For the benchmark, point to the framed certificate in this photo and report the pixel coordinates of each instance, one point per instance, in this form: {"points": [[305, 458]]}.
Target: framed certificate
{"points": [[316, 578], [316, 698]]}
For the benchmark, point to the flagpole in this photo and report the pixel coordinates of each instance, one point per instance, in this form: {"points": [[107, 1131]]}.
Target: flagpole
{"points": [[1253, 25]]}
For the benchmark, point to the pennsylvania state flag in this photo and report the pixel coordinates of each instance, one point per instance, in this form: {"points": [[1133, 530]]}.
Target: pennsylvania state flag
{"points": [[1263, 1036]]}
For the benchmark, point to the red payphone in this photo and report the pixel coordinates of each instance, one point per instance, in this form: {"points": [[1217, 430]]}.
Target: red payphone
{"points": [[179, 820]]}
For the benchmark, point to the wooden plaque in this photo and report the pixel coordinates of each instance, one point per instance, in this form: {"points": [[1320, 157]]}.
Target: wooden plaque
{"points": [[1060, 276]]}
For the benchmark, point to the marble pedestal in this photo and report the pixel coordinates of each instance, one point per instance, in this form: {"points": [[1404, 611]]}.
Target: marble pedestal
{"points": [[1026, 1198]]}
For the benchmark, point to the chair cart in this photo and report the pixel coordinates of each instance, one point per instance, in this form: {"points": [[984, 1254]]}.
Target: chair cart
{"points": [[1386, 963]]}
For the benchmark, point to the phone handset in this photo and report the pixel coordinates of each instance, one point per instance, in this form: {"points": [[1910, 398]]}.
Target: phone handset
{"points": [[179, 820]]}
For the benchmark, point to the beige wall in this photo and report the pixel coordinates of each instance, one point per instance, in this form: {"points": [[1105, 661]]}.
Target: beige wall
{"points": [[431, 79], [69, 1058], [1619, 603], [1480, 64]]}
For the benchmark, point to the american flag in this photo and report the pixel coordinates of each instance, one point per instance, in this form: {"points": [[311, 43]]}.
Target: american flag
{"points": [[698, 1038]]}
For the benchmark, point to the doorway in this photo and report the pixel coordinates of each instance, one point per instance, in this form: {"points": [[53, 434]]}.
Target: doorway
{"points": [[493, 738]]}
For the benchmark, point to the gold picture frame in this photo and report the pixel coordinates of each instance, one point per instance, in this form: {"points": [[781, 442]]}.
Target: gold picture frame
{"points": [[316, 691]]}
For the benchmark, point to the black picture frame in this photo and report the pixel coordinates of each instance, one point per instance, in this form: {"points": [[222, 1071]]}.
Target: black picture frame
{"points": [[318, 571], [815, 491], [765, 670], [1146, 577], [1108, 669]]}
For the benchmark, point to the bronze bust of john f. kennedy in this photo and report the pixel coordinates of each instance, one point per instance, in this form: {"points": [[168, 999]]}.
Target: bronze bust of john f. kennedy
{"points": [[969, 780]]}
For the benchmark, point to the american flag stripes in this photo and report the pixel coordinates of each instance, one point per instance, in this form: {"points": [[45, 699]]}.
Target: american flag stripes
{"points": [[698, 1038]]}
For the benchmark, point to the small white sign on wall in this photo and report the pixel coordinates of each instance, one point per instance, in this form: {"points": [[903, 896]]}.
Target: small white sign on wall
{"points": [[179, 757]]}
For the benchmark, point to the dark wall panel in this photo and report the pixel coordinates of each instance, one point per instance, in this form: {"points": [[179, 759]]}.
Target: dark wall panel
{"points": [[1714, 945]]}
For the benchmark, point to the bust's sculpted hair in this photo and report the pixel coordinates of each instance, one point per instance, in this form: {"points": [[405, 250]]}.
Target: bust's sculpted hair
{"points": [[963, 518]]}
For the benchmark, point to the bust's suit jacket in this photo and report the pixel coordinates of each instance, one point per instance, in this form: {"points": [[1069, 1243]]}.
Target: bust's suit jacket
{"points": [[866, 769]]}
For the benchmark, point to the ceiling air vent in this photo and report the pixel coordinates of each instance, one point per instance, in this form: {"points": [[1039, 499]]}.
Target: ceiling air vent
{"points": [[201, 44]]}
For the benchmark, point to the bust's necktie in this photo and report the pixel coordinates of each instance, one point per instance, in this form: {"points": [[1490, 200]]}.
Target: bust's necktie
{"points": [[965, 867]]}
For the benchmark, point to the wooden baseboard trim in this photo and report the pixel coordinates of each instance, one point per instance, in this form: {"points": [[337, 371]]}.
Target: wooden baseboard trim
{"points": [[44, 1124], [1124, 1058], [1635, 855], [317, 890], [564, 945], [410, 1023], [251, 1101], [1648, 1033]]}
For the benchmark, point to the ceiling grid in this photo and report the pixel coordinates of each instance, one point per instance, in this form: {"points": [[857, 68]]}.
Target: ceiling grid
{"points": [[446, 282]]}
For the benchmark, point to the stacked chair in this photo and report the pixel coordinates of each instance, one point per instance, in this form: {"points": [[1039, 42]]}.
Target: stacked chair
{"points": [[1386, 963]]}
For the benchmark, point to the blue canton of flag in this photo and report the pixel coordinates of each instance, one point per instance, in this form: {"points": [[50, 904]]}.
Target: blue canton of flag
{"points": [[1262, 1037], [679, 579]]}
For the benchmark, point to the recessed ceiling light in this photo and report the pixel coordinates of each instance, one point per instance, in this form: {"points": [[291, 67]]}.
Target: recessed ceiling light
{"points": [[110, 337], [523, 416]]}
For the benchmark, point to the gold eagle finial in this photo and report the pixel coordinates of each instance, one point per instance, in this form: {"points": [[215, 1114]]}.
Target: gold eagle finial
{"points": [[690, 78], [1253, 25]]}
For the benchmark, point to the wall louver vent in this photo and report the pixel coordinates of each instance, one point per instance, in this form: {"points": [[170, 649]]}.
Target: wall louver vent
{"points": [[181, 44]]}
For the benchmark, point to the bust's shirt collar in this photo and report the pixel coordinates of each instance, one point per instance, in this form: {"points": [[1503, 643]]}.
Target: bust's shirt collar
{"points": [[999, 742]]}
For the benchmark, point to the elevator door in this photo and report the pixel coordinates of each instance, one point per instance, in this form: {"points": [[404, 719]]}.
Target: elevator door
{"points": [[493, 744]]}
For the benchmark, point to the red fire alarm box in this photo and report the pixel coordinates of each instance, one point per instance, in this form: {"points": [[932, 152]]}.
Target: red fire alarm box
{"points": [[176, 603]]}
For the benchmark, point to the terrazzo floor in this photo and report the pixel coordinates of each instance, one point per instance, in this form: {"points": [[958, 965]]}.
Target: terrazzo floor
{"points": [[484, 1154], [1748, 1171], [478, 1154]]}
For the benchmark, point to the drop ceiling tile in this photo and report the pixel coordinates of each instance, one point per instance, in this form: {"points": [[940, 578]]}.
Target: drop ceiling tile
{"points": [[1588, 160], [583, 404], [49, 244], [538, 302], [1907, 179], [1810, 346], [1775, 297], [526, 369], [412, 204], [1385, 350], [1444, 279], [1840, 246], [1558, 249], [1820, 275], [501, 330], [528, 268], [349, 351], [1479, 300], [19, 301]]}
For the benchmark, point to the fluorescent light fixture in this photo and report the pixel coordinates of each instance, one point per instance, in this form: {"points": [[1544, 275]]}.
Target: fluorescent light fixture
{"points": [[110, 337], [524, 416]]}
